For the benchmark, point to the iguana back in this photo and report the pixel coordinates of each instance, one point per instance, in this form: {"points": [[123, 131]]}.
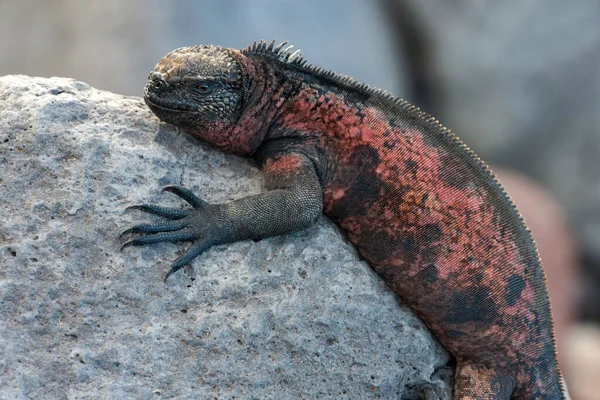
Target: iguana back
{"points": [[421, 208]]}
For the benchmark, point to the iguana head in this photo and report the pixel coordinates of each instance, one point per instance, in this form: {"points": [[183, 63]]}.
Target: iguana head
{"points": [[199, 89]]}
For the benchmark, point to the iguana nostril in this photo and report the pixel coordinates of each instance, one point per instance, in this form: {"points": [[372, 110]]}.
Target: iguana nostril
{"points": [[158, 84]]}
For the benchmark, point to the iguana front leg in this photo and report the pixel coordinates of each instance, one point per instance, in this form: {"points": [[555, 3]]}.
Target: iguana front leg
{"points": [[293, 201]]}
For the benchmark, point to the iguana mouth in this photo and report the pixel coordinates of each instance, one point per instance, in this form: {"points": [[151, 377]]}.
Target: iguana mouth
{"points": [[166, 105]]}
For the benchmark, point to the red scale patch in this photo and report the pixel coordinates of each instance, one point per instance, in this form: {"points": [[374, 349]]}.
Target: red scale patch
{"points": [[420, 186]]}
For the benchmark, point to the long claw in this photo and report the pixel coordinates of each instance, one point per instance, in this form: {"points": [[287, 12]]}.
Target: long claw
{"points": [[154, 228], [166, 212], [125, 232], [173, 269], [186, 195], [194, 252], [126, 244], [159, 237]]}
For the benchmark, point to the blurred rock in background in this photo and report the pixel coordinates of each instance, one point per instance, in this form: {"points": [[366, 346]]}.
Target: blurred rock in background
{"points": [[582, 361]]}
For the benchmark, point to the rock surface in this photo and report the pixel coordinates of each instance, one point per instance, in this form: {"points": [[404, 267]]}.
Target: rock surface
{"points": [[296, 316]]}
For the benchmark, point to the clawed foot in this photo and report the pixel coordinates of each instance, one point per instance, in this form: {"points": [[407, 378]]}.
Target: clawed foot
{"points": [[205, 223]]}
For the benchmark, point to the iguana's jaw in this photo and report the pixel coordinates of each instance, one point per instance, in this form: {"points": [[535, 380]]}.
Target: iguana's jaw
{"points": [[169, 111]]}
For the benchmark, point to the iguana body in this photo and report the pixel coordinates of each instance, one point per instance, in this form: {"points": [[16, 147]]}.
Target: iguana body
{"points": [[420, 207]]}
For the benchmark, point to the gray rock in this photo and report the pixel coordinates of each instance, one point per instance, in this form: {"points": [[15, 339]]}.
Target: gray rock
{"points": [[295, 316]]}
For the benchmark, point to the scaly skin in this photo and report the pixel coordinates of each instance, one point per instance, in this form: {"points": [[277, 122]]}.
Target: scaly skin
{"points": [[420, 207]]}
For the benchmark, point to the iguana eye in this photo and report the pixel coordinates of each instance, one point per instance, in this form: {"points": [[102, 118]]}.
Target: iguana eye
{"points": [[202, 88]]}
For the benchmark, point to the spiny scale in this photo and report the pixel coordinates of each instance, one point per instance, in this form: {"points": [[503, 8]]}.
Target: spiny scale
{"points": [[264, 49], [284, 55]]}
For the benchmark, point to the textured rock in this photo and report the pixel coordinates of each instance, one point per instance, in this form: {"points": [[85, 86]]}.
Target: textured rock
{"points": [[296, 316]]}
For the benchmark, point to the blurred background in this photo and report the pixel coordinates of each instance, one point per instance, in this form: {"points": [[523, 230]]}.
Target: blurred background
{"points": [[518, 80]]}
